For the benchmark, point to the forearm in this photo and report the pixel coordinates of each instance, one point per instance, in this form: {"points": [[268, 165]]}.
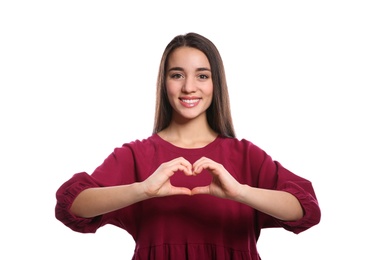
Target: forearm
{"points": [[97, 201], [279, 204]]}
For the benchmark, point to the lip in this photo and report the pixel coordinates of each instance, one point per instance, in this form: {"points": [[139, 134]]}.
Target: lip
{"points": [[189, 101]]}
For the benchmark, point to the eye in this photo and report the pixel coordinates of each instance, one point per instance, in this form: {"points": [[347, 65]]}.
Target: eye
{"points": [[176, 76], [203, 76]]}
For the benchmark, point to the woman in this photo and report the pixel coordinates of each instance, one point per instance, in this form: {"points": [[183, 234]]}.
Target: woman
{"points": [[191, 190]]}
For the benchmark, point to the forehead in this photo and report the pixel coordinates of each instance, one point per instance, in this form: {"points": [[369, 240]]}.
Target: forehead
{"points": [[187, 56]]}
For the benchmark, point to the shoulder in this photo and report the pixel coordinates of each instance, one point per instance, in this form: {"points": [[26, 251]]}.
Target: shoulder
{"points": [[241, 145], [246, 151], [141, 145], [127, 156]]}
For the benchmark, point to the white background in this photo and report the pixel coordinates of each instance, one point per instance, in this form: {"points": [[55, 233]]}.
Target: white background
{"points": [[306, 81]]}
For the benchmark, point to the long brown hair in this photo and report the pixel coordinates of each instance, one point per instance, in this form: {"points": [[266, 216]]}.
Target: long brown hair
{"points": [[219, 113]]}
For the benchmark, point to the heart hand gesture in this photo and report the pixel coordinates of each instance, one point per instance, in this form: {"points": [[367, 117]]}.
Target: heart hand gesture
{"points": [[223, 184]]}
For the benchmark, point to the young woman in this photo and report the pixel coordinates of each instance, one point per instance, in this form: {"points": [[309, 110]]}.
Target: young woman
{"points": [[191, 190]]}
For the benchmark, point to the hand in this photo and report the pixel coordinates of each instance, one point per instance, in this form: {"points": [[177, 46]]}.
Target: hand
{"points": [[159, 184], [223, 184]]}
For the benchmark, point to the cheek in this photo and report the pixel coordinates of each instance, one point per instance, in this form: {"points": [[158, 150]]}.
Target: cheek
{"points": [[172, 94], [168, 89], [209, 92], [171, 88]]}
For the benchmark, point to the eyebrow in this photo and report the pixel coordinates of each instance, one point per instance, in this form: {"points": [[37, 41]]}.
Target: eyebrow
{"points": [[181, 69]]}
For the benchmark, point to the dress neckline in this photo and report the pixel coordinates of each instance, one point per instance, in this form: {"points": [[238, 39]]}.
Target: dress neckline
{"points": [[178, 149]]}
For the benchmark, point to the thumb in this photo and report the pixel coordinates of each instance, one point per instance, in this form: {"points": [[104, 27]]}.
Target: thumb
{"points": [[200, 190], [181, 191]]}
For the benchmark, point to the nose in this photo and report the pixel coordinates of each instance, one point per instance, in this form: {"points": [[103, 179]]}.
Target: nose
{"points": [[189, 85]]}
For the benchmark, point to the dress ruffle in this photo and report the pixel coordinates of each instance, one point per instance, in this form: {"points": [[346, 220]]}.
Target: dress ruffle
{"points": [[191, 251]]}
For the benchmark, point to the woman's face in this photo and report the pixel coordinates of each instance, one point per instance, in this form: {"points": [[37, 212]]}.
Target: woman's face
{"points": [[189, 83]]}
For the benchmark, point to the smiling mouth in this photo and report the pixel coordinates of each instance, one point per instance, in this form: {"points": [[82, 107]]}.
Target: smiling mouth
{"points": [[190, 101]]}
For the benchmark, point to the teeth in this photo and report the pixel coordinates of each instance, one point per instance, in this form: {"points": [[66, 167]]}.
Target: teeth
{"points": [[190, 101]]}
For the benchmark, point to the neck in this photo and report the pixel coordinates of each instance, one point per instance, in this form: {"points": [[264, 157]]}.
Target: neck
{"points": [[188, 135]]}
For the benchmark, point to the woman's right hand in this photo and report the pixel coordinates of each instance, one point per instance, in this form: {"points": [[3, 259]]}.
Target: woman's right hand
{"points": [[159, 184]]}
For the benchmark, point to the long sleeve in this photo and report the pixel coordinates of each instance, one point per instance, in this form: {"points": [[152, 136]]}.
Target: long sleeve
{"points": [[272, 175], [113, 171]]}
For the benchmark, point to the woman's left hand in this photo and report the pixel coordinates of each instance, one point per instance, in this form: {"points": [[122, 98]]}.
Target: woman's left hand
{"points": [[223, 184]]}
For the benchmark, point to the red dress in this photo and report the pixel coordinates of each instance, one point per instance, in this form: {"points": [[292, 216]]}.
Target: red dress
{"points": [[190, 227]]}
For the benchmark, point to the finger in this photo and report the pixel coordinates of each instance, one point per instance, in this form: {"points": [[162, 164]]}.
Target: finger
{"points": [[201, 160], [197, 166], [200, 190], [187, 169], [177, 165], [181, 191], [206, 164], [186, 165]]}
